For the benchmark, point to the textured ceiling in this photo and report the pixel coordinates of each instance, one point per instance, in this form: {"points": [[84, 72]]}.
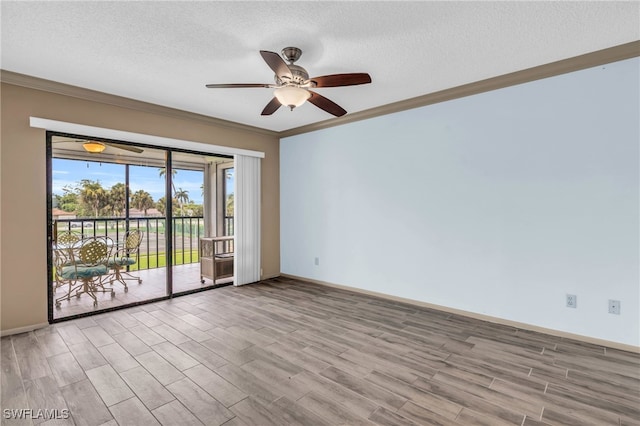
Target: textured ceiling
{"points": [[165, 52]]}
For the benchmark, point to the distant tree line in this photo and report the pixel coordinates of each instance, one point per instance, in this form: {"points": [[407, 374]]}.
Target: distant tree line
{"points": [[89, 199]]}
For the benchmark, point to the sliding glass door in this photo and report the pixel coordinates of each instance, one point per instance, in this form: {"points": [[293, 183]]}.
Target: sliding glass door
{"points": [[149, 205]]}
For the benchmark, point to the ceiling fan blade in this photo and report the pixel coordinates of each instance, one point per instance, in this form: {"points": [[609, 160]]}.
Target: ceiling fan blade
{"points": [[237, 85], [125, 147], [336, 80], [271, 107], [276, 63], [326, 104]]}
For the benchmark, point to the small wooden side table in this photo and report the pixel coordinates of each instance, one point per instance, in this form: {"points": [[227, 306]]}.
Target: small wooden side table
{"points": [[216, 261]]}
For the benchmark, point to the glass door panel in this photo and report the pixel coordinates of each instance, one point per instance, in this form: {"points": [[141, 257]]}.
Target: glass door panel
{"points": [[194, 255], [110, 196]]}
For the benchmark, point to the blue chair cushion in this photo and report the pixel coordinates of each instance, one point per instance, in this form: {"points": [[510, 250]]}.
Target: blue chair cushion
{"points": [[81, 272], [121, 261]]}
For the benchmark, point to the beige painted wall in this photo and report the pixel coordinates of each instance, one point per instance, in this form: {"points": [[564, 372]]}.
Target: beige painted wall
{"points": [[23, 250]]}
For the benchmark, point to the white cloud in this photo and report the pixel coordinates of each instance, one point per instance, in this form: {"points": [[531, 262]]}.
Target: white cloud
{"points": [[59, 184]]}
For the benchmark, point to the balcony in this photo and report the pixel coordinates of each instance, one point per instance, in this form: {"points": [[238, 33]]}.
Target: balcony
{"points": [[186, 232], [152, 259]]}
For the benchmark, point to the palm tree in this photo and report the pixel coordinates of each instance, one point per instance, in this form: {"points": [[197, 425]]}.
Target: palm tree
{"points": [[182, 196], [161, 205], [163, 171], [142, 200], [93, 195], [117, 198]]}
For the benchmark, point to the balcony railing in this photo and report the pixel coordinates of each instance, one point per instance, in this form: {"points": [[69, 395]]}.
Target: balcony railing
{"points": [[187, 231]]}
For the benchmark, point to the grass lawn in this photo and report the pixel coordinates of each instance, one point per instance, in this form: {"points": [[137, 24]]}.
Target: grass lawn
{"points": [[158, 260]]}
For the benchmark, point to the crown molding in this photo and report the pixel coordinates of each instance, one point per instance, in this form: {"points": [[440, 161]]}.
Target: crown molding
{"points": [[600, 57], [36, 83], [577, 63]]}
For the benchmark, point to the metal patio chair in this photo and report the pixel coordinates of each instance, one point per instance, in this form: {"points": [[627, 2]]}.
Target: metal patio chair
{"points": [[82, 266], [126, 256]]}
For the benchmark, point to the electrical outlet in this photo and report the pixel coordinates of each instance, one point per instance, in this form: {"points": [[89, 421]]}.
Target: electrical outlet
{"points": [[316, 261], [614, 307], [572, 301]]}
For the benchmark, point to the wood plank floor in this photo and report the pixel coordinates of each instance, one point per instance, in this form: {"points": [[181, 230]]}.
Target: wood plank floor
{"points": [[286, 352]]}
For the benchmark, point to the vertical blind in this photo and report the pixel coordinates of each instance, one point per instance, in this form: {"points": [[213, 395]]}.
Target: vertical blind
{"points": [[247, 220]]}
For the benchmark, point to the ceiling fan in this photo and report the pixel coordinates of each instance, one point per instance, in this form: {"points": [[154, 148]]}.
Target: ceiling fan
{"points": [[96, 147], [292, 83]]}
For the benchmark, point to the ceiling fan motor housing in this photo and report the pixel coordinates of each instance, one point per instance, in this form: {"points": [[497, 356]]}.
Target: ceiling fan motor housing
{"points": [[300, 76]]}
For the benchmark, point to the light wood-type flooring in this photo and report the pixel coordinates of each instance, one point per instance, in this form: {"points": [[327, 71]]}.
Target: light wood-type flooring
{"points": [[287, 352]]}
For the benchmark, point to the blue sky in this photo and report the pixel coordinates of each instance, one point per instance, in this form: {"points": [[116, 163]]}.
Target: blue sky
{"points": [[70, 172]]}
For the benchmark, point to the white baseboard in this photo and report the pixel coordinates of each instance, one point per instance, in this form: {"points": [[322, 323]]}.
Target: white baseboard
{"points": [[24, 329], [495, 320]]}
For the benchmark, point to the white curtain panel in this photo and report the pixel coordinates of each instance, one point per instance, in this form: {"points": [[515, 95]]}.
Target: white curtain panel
{"points": [[247, 220]]}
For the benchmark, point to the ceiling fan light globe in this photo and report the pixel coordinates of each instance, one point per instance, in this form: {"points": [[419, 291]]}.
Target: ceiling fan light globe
{"points": [[291, 96], [94, 147]]}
